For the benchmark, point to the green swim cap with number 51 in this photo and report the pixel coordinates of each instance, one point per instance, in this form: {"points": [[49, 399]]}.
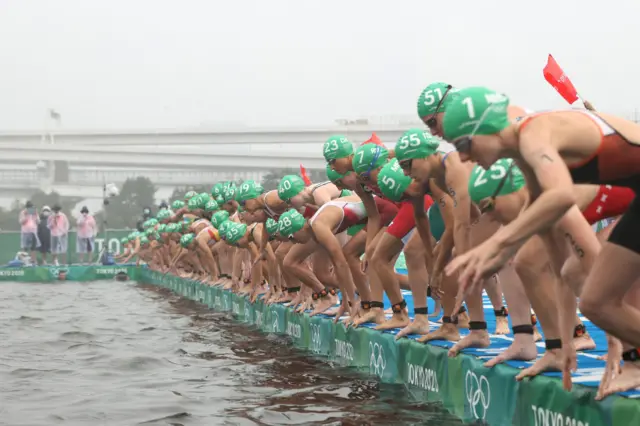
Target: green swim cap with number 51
{"points": [[416, 143], [336, 147], [434, 98], [476, 111], [392, 181]]}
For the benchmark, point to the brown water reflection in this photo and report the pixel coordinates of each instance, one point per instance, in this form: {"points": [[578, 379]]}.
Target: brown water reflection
{"points": [[120, 354]]}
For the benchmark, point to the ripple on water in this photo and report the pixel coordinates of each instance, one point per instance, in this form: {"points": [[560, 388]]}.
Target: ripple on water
{"points": [[123, 354]]}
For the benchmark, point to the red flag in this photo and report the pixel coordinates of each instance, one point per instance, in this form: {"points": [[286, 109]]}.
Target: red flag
{"points": [[305, 177], [559, 80], [373, 139]]}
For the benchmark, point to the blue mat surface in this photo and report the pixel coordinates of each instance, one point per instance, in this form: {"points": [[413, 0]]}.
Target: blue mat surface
{"points": [[590, 368]]}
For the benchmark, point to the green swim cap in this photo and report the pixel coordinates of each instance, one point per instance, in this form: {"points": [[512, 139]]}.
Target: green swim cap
{"points": [[144, 240], [224, 226], [392, 180], [337, 146], [211, 206], [170, 228], [216, 190], [177, 204], [189, 195], [249, 190], [369, 157], [163, 214], [476, 110], [229, 192], [416, 143], [431, 96], [193, 203], [219, 217], [204, 197], [153, 222], [149, 231], [235, 232], [484, 183], [124, 240], [186, 240], [161, 228], [291, 222], [334, 176], [290, 186], [271, 226]]}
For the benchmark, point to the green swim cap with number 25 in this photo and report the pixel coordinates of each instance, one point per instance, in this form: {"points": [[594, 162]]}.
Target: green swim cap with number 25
{"points": [[476, 111], [485, 183], [336, 147]]}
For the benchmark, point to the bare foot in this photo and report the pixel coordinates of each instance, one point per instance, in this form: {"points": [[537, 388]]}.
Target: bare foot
{"points": [[448, 332], [373, 315], [436, 310], [584, 342], [398, 320], [536, 334], [502, 325], [463, 320], [629, 378], [523, 348], [550, 361], [323, 304], [335, 311], [475, 339], [388, 311], [612, 370], [420, 325]]}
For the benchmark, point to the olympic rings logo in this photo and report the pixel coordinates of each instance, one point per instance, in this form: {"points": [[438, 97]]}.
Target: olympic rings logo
{"points": [[377, 361], [316, 343], [478, 391]]}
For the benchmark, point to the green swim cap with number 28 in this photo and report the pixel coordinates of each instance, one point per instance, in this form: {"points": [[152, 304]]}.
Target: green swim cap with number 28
{"points": [[290, 222], [476, 111], [485, 183], [416, 143], [336, 147]]}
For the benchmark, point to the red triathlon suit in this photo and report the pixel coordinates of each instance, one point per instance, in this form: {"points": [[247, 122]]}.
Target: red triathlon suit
{"points": [[611, 201], [405, 221]]}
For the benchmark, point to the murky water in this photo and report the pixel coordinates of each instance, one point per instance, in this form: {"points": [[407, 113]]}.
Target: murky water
{"points": [[109, 353]]}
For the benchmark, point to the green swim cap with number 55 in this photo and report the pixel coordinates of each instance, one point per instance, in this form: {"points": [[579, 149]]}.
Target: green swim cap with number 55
{"points": [[416, 143], [290, 186], [476, 111], [485, 183], [392, 181], [336, 147]]}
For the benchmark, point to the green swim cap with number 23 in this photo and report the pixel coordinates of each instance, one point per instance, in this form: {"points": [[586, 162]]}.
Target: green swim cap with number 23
{"points": [[336, 147], [476, 111]]}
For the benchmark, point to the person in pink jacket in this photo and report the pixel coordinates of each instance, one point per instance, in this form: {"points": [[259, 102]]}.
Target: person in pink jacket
{"points": [[59, 226], [29, 220], [87, 229]]}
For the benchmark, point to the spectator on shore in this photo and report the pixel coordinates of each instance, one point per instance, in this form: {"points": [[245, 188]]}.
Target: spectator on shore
{"points": [[87, 230], [44, 235], [59, 226], [29, 220]]}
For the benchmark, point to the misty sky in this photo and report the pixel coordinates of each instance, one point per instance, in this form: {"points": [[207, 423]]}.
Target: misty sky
{"points": [[123, 64]]}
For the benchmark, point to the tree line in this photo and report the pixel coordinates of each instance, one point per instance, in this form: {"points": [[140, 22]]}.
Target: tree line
{"points": [[124, 210]]}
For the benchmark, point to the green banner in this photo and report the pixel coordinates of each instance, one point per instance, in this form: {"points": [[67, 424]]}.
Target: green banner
{"points": [[10, 244], [70, 273], [466, 388]]}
